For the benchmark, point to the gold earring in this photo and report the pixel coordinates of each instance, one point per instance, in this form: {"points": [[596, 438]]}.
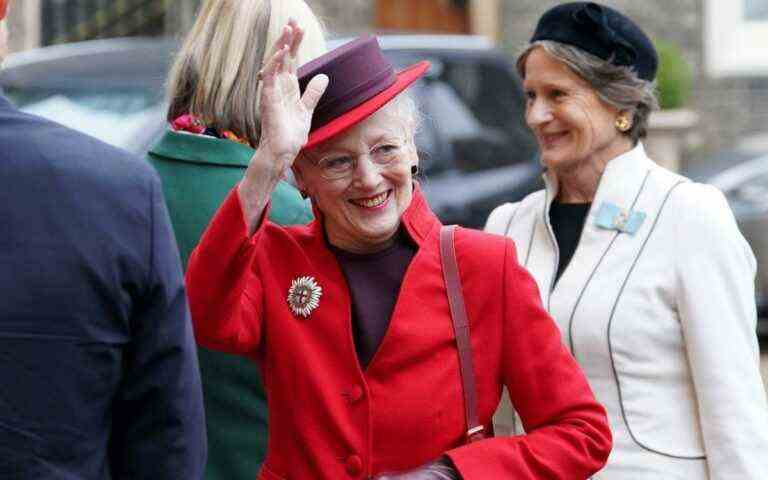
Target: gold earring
{"points": [[622, 123]]}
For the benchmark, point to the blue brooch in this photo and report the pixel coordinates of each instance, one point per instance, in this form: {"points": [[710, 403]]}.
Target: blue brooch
{"points": [[613, 217]]}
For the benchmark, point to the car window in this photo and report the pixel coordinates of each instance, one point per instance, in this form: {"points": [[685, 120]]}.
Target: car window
{"points": [[473, 114], [113, 116]]}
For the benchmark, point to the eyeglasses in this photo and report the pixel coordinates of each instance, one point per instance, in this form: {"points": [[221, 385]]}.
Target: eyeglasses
{"points": [[338, 166]]}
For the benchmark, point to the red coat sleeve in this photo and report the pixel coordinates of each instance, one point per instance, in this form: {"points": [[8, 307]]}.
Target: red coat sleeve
{"points": [[225, 296], [567, 430]]}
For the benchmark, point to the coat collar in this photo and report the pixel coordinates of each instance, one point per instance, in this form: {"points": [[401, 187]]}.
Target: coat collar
{"points": [[619, 186], [188, 147], [418, 219], [620, 182]]}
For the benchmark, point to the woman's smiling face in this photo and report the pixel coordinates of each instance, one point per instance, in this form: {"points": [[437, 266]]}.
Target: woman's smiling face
{"points": [[361, 181], [571, 123]]}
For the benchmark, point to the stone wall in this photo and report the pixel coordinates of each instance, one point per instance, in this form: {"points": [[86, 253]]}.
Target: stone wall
{"points": [[679, 21]]}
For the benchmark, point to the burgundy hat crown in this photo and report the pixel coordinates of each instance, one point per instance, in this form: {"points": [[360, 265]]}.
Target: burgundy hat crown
{"points": [[361, 81], [357, 71]]}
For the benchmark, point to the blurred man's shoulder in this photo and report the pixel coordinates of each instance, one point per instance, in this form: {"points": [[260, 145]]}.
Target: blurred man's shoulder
{"points": [[33, 145]]}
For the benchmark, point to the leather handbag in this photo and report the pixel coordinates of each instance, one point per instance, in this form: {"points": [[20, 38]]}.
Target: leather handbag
{"points": [[475, 431]]}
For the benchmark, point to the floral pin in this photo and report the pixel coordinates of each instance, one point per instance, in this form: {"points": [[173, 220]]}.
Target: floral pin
{"points": [[304, 296]]}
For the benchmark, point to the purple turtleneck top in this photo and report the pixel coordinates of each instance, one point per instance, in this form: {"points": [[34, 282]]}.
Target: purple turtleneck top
{"points": [[374, 283]]}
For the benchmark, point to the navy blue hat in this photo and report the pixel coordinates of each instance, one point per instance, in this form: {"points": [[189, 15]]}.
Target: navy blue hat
{"points": [[601, 31]]}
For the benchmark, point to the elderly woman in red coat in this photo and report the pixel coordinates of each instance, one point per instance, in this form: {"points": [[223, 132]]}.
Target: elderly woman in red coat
{"points": [[348, 317]]}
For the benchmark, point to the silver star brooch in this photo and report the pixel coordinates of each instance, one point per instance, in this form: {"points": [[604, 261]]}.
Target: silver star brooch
{"points": [[304, 296]]}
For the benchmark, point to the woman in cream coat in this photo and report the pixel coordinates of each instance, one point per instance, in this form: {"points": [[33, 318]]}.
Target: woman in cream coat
{"points": [[645, 272]]}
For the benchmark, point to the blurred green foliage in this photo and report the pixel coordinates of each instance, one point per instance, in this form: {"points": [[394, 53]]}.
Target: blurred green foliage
{"points": [[674, 79]]}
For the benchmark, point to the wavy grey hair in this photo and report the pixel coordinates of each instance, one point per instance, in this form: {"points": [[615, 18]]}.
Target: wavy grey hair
{"points": [[617, 86], [405, 108]]}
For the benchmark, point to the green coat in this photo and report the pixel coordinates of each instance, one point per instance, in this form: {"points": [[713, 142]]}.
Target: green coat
{"points": [[197, 173]]}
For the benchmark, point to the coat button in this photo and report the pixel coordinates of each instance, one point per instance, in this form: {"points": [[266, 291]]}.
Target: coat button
{"points": [[354, 465], [355, 394]]}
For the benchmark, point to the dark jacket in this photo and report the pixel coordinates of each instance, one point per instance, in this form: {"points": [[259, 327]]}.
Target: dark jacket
{"points": [[197, 173], [98, 367]]}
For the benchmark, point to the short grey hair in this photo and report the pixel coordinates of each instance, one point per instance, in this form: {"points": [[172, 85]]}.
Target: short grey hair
{"points": [[616, 85], [405, 108]]}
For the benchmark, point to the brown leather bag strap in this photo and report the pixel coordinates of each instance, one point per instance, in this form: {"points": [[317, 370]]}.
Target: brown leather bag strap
{"points": [[460, 330]]}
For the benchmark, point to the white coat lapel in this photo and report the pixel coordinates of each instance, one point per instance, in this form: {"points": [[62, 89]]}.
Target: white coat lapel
{"points": [[618, 191], [541, 259], [532, 243]]}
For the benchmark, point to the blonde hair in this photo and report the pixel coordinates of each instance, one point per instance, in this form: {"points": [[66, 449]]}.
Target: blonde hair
{"points": [[214, 75]]}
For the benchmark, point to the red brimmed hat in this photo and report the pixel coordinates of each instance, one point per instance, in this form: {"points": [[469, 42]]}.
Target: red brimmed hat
{"points": [[361, 82]]}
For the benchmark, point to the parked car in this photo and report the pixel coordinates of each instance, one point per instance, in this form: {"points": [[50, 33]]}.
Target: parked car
{"points": [[111, 89], [743, 178], [476, 150]]}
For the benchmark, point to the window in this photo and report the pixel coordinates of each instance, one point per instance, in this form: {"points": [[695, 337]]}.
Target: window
{"points": [[756, 10], [736, 35]]}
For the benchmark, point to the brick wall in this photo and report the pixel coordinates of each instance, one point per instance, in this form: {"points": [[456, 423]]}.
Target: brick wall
{"points": [[679, 21]]}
